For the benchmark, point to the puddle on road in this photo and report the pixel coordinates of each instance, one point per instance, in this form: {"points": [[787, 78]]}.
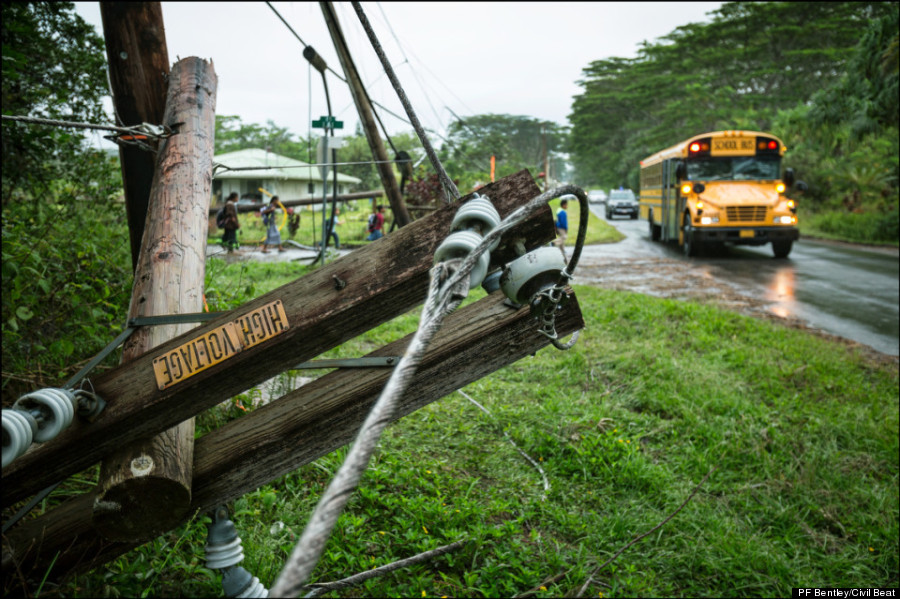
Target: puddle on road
{"points": [[672, 279]]}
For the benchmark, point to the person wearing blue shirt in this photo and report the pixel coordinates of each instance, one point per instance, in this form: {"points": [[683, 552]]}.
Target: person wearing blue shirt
{"points": [[562, 228]]}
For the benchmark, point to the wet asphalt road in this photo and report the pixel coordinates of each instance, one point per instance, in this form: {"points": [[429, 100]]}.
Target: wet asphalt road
{"points": [[849, 291]]}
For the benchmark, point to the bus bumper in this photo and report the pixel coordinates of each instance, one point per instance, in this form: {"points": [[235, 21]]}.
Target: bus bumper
{"points": [[745, 235]]}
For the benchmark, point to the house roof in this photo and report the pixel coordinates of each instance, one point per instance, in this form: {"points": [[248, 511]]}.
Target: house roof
{"points": [[268, 165]]}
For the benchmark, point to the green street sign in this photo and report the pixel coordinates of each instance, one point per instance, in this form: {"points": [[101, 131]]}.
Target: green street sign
{"points": [[328, 122]]}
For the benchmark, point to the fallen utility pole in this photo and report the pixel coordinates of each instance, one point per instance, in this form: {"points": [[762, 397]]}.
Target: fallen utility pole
{"points": [[145, 485], [300, 427], [352, 294], [138, 68], [364, 107]]}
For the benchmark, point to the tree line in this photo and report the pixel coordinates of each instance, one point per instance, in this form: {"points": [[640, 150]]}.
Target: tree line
{"points": [[820, 75]]}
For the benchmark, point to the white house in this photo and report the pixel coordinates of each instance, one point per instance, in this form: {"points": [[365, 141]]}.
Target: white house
{"points": [[279, 175]]}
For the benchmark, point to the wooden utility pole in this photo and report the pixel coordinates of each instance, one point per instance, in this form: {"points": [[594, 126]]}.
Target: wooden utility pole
{"points": [[364, 107], [298, 428], [145, 486], [348, 296], [138, 68]]}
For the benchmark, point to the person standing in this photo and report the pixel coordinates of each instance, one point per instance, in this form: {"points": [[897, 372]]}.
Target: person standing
{"points": [[232, 224], [273, 235], [562, 228], [333, 222], [376, 224]]}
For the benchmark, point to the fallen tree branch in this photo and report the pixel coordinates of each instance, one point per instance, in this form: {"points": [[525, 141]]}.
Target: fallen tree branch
{"points": [[319, 588], [636, 539], [543, 585]]}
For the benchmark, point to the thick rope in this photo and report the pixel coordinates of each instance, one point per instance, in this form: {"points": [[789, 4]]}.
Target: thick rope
{"points": [[448, 286]]}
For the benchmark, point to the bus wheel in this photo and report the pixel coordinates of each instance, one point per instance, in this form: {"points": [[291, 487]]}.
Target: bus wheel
{"points": [[781, 249], [655, 230], [688, 244]]}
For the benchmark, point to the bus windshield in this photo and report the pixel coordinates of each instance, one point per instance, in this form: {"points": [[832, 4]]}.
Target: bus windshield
{"points": [[735, 168]]}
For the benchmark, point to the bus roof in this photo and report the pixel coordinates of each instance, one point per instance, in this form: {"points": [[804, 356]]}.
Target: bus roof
{"points": [[680, 149]]}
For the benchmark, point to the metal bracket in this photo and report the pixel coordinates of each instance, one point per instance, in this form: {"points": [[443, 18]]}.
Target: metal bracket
{"points": [[377, 362], [141, 321]]}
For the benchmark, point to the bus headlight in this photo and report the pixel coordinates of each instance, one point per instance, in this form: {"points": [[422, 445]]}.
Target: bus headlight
{"points": [[709, 220], [779, 187], [785, 220]]}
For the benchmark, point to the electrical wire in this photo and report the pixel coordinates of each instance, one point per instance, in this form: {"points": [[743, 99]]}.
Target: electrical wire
{"points": [[449, 285], [449, 185], [406, 61], [143, 129]]}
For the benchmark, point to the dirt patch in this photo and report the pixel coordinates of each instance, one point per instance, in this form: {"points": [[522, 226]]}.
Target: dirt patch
{"points": [[674, 279]]}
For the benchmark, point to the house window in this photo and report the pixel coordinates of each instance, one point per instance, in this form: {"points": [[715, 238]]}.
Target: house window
{"points": [[310, 188]]}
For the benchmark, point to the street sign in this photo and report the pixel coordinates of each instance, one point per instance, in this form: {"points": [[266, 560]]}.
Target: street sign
{"points": [[328, 122]]}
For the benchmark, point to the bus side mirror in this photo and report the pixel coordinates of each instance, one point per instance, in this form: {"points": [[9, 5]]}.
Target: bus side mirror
{"points": [[680, 171], [789, 177], [801, 186]]}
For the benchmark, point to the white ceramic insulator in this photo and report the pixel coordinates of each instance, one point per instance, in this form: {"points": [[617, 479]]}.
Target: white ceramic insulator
{"points": [[530, 273], [224, 556], [480, 214], [255, 590], [18, 433], [459, 245], [57, 406]]}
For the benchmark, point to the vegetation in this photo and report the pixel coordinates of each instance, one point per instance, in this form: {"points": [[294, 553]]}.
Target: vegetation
{"points": [[797, 434], [66, 275], [233, 134], [822, 76], [624, 426], [354, 216], [516, 142]]}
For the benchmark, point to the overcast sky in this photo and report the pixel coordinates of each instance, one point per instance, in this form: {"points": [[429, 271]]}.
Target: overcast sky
{"points": [[518, 58]]}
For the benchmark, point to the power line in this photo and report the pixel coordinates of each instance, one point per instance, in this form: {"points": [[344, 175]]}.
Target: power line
{"points": [[335, 73], [406, 61], [145, 129], [387, 110]]}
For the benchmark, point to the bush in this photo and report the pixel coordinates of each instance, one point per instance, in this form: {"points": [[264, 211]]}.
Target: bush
{"points": [[66, 286], [864, 227]]}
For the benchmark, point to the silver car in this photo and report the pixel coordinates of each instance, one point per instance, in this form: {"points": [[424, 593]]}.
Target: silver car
{"points": [[596, 196], [621, 202]]}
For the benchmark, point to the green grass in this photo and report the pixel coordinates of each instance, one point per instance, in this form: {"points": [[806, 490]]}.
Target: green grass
{"points": [[802, 433], [599, 231], [353, 229]]}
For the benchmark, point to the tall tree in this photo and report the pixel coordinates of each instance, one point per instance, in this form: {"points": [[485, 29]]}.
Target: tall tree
{"points": [[737, 71], [233, 134], [516, 142], [53, 67], [66, 263]]}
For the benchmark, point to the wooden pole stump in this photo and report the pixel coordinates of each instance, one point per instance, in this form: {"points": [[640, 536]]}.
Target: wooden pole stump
{"points": [[145, 486]]}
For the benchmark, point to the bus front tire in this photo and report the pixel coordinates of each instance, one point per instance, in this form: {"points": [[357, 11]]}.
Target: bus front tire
{"points": [[688, 244], [781, 249]]}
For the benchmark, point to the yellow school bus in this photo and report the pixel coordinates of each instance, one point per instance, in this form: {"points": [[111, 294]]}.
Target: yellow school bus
{"points": [[717, 188]]}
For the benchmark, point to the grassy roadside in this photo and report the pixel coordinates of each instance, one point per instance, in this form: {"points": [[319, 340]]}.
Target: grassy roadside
{"points": [[353, 225], [864, 228], [801, 432], [599, 231]]}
